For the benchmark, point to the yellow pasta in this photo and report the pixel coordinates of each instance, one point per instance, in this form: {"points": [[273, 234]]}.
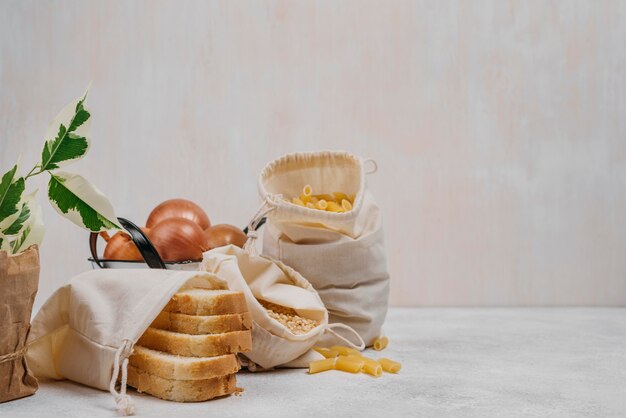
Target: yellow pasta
{"points": [[374, 369], [321, 365], [337, 202], [326, 197], [345, 351], [326, 352], [381, 343], [390, 365], [334, 207], [348, 364], [321, 204], [339, 196]]}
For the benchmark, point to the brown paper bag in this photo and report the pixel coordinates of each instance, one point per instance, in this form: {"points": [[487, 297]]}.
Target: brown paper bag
{"points": [[19, 278]]}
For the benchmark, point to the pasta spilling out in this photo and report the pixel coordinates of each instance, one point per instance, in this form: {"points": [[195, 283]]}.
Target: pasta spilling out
{"points": [[349, 360], [336, 202]]}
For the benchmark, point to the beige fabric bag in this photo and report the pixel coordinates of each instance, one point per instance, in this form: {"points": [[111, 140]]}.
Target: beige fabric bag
{"points": [[86, 330], [261, 278], [341, 254]]}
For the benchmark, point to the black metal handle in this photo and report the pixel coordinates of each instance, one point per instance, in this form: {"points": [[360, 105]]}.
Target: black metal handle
{"points": [[261, 222], [146, 249]]}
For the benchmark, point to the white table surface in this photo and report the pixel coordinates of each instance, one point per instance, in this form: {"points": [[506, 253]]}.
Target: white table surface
{"points": [[456, 362]]}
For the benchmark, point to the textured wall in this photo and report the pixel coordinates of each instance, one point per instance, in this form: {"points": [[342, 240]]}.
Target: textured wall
{"points": [[499, 127]]}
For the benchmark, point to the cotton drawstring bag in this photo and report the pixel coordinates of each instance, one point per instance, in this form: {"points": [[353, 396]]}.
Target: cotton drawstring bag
{"points": [[341, 254], [86, 330], [263, 279]]}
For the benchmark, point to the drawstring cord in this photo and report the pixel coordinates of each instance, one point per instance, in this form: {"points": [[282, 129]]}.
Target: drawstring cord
{"points": [[266, 207], [123, 401], [330, 328]]}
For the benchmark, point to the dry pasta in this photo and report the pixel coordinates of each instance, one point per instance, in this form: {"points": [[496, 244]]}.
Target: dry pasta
{"points": [[321, 365], [327, 352], [381, 343], [375, 370], [321, 204], [337, 202], [390, 365], [348, 364], [344, 351]]}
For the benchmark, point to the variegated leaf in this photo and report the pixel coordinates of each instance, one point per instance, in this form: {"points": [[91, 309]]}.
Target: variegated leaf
{"points": [[81, 202]]}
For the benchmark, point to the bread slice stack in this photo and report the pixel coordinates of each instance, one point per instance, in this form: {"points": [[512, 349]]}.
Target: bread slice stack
{"points": [[188, 354]]}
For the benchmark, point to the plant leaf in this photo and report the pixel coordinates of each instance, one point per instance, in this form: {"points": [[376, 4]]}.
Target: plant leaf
{"points": [[69, 140], [33, 230], [11, 190], [81, 202], [16, 226]]}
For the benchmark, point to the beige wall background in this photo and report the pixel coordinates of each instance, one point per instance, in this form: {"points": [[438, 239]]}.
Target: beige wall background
{"points": [[499, 127]]}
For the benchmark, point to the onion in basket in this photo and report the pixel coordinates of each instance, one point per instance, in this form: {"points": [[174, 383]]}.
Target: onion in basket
{"points": [[120, 247], [178, 208], [179, 239], [224, 234]]}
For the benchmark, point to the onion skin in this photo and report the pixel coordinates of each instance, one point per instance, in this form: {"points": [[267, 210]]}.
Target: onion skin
{"points": [[224, 234], [178, 208], [178, 239], [121, 247]]}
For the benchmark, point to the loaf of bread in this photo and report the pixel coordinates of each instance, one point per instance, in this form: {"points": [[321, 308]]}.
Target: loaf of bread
{"points": [[193, 324]]}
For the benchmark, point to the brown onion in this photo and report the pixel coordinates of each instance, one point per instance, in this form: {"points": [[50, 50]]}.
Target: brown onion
{"points": [[178, 239], [178, 208], [120, 247], [224, 234]]}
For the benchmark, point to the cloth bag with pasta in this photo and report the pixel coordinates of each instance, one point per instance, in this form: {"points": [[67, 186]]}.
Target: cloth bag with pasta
{"points": [[342, 254], [265, 284], [86, 330]]}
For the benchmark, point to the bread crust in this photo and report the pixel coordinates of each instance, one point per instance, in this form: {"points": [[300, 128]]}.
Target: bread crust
{"points": [[196, 325], [181, 390], [208, 302], [207, 345]]}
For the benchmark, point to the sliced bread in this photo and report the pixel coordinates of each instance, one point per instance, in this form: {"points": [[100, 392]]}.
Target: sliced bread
{"points": [[207, 302], [181, 390], [194, 324], [175, 367], [196, 345]]}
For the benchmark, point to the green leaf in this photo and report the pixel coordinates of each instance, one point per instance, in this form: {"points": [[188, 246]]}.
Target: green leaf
{"points": [[33, 230], [81, 202], [19, 242], [4, 242], [15, 227], [11, 190], [69, 132]]}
